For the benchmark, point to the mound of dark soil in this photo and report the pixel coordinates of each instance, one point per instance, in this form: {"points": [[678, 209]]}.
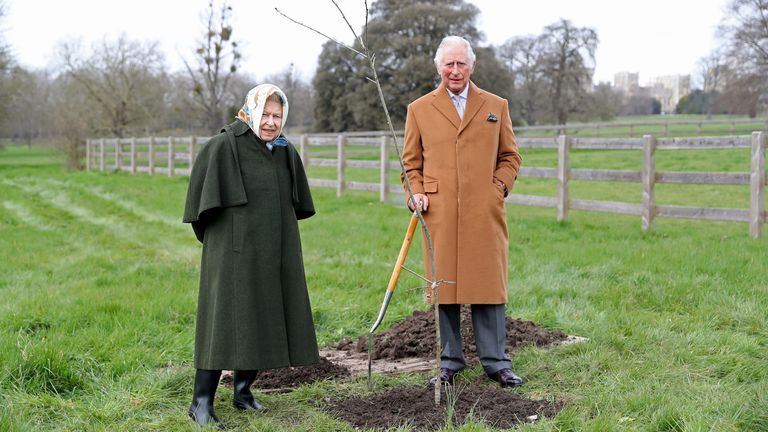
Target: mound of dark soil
{"points": [[416, 407], [292, 377], [415, 337], [295, 376]]}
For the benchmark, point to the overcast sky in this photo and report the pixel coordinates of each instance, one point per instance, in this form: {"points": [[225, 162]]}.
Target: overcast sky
{"points": [[650, 37]]}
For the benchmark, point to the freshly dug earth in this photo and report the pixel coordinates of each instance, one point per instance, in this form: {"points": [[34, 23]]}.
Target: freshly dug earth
{"points": [[291, 377], [415, 337], [416, 407]]}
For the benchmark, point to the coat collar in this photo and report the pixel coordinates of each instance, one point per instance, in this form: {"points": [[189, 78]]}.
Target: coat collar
{"points": [[442, 102], [239, 127]]}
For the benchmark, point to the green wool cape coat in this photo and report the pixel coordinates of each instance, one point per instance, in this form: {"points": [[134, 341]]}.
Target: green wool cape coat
{"points": [[243, 203]]}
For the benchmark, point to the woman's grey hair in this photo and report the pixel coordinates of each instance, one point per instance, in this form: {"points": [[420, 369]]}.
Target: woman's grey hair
{"points": [[452, 41], [276, 97]]}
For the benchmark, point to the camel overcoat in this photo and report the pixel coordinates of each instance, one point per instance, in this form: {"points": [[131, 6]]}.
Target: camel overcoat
{"points": [[454, 162]]}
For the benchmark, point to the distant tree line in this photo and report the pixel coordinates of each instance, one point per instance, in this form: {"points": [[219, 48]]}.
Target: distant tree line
{"points": [[735, 74], [122, 87], [545, 78]]}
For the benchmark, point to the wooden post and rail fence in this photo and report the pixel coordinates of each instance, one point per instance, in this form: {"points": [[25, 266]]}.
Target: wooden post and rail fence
{"points": [[374, 151], [660, 128]]}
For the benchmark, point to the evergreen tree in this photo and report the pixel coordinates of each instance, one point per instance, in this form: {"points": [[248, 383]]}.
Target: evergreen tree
{"points": [[332, 83], [404, 36]]}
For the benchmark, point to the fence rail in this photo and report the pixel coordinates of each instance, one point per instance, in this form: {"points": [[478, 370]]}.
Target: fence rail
{"points": [[664, 128], [175, 155]]}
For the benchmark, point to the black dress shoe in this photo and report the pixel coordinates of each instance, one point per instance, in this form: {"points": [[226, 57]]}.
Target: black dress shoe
{"points": [[446, 376], [506, 378]]}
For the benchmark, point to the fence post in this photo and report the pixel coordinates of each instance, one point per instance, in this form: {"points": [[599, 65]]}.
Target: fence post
{"points": [[118, 154], [303, 144], [171, 156], [88, 155], [133, 155], [192, 142], [101, 155], [757, 186], [563, 173], [340, 165], [151, 155], [383, 169], [649, 181]]}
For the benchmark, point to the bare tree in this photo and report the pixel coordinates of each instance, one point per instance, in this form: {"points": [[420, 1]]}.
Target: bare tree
{"points": [[6, 64], [124, 78], [217, 59], [178, 100], [745, 32], [568, 64], [604, 101], [744, 93], [239, 86], [301, 96], [522, 56], [552, 74], [28, 101], [713, 69], [74, 117]]}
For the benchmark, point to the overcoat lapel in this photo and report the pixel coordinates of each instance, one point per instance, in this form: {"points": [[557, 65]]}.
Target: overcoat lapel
{"points": [[443, 104], [475, 102]]}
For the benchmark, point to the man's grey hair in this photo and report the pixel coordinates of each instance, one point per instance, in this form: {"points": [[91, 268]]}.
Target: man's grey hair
{"points": [[453, 41]]}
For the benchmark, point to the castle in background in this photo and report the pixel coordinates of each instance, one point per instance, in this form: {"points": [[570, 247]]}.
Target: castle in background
{"points": [[666, 89]]}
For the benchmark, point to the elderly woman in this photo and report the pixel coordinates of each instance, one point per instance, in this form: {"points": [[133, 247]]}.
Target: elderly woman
{"points": [[246, 192]]}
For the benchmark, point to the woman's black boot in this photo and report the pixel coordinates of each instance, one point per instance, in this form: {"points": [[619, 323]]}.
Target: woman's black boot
{"points": [[201, 410], [243, 397]]}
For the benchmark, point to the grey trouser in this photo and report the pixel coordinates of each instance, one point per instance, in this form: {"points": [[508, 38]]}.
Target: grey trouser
{"points": [[488, 323]]}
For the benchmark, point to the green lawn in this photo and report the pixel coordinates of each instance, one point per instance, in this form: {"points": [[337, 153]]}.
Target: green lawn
{"points": [[98, 278]]}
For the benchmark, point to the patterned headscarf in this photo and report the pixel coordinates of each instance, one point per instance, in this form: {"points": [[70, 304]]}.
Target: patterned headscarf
{"points": [[253, 108]]}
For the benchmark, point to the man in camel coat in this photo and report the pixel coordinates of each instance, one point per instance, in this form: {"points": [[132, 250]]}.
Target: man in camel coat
{"points": [[461, 160]]}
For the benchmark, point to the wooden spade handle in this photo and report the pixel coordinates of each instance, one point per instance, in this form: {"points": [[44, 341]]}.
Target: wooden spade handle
{"points": [[393, 280], [403, 252]]}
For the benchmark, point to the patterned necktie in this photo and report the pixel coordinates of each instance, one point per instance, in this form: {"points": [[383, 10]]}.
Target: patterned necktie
{"points": [[459, 103]]}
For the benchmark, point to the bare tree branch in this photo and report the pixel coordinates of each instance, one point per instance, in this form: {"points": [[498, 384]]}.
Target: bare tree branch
{"points": [[322, 34], [344, 17]]}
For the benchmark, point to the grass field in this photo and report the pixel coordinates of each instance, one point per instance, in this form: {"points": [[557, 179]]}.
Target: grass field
{"points": [[98, 278]]}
